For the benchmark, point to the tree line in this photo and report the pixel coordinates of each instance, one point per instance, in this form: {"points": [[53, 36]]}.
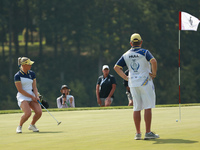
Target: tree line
{"points": [[70, 40]]}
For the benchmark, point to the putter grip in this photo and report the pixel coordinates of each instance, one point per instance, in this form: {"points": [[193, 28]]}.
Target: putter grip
{"points": [[39, 102]]}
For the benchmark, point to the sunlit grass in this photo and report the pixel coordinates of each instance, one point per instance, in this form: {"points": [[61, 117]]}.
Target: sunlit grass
{"points": [[106, 129]]}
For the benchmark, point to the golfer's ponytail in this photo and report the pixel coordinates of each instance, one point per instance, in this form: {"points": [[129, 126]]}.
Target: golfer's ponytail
{"points": [[19, 62]]}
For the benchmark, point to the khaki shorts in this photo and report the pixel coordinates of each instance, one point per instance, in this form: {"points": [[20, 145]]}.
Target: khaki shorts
{"points": [[103, 101]]}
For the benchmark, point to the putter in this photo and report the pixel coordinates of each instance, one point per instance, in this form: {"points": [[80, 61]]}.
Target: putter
{"points": [[49, 112]]}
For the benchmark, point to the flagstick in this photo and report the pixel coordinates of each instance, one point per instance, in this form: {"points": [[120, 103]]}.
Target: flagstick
{"points": [[188, 21], [179, 76], [179, 70]]}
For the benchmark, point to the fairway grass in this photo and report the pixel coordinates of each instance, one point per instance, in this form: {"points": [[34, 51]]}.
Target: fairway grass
{"points": [[111, 129]]}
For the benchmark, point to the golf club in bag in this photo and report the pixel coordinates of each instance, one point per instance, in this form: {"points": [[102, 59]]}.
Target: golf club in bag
{"points": [[49, 112]]}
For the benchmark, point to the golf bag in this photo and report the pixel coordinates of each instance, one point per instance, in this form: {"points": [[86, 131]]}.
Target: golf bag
{"points": [[44, 103]]}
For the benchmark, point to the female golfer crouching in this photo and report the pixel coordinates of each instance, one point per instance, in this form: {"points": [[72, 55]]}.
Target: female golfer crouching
{"points": [[27, 95]]}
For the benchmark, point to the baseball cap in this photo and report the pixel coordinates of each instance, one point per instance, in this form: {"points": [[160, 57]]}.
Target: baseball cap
{"points": [[105, 67], [64, 86], [135, 38]]}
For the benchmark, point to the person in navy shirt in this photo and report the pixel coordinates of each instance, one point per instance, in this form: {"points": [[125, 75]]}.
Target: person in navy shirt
{"points": [[27, 96], [105, 87]]}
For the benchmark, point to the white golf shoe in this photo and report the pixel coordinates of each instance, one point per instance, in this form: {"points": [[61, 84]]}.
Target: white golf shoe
{"points": [[138, 136], [33, 128], [19, 129], [151, 135]]}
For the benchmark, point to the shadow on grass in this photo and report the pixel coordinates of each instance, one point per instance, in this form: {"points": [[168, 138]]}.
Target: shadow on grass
{"points": [[173, 141], [43, 132]]}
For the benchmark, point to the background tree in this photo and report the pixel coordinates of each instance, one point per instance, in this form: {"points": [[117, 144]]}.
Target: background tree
{"points": [[75, 38]]}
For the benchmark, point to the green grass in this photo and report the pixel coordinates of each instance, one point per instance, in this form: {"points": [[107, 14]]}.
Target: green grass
{"points": [[98, 108], [104, 129]]}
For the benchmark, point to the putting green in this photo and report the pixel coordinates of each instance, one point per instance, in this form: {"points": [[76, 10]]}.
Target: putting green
{"points": [[103, 130]]}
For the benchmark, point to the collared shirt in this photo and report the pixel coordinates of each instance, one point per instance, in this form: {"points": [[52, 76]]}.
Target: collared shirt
{"points": [[105, 85], [26, 79], [138, 62]]}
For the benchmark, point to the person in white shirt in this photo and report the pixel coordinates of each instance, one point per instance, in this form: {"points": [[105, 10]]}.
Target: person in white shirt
{"points": [[142, 70], [27, 96], [65, 100]]}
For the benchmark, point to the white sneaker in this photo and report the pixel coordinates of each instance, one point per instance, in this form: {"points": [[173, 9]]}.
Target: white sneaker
{"points": [[138, 136], [19, 129], [151, 135], [33, 128]]}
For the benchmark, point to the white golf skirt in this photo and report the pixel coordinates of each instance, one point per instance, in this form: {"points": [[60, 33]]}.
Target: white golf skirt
{"points": [[21, 97]]}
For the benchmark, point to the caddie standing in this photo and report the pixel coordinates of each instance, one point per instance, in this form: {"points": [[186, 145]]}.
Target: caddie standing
{"points": [[142, 70]]}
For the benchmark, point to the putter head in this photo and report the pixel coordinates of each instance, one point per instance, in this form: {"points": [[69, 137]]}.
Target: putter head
{"points": [[59, 122]]}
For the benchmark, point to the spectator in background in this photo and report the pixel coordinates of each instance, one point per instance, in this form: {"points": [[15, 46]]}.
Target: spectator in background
{"points": [[65, 100], [128, 93], [105, 88]]}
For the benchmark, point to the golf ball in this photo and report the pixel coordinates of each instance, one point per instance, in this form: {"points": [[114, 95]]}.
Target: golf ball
{"points": [[176, 120]]}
